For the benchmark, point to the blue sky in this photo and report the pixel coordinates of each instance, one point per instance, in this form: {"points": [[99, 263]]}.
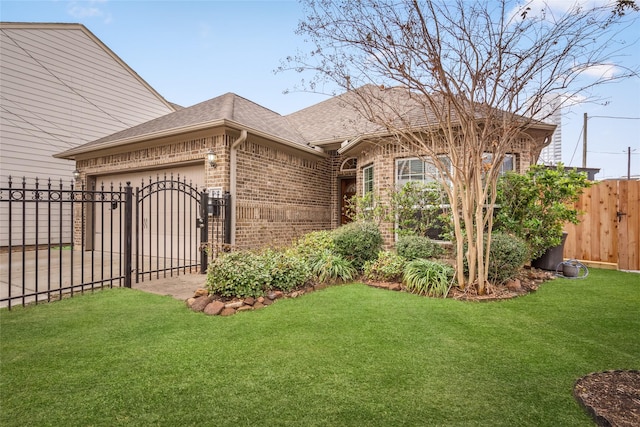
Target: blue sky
{"points": [[191, 51]]}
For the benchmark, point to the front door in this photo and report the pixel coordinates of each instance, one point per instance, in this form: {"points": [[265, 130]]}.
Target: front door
{"points": [[347, 191]]}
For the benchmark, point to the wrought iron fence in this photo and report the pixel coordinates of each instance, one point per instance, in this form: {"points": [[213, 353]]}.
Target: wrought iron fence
{"points": [[58, 239]]}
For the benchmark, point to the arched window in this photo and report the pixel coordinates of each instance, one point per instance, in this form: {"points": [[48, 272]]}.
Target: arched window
{"points": [[349, 165]]}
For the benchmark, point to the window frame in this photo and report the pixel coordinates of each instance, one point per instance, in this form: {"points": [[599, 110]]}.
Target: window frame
{"points": [[367, 180]]}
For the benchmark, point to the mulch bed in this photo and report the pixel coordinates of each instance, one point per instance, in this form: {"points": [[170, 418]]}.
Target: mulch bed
{"points": [[612, 398]]}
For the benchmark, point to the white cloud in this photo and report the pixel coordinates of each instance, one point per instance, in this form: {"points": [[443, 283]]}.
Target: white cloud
{"points": [[88, 9], [602, 71], [549, 8]]}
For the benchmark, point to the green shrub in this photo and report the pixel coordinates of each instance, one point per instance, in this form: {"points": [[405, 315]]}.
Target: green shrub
{"points": [[537, 205], [358, 242], [414, 247], [425, 277], [238, 274], [312, 245], [286, 269], [389, 267], [508, 255], [330, 267]]}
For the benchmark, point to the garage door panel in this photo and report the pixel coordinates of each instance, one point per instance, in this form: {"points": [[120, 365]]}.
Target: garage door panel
{"points": [[165, 232]]}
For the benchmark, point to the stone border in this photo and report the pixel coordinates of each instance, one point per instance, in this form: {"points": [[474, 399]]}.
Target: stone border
{"points": [[215, 306]]}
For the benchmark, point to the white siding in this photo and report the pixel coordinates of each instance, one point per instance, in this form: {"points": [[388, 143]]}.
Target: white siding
{"points": [[60, 88]]}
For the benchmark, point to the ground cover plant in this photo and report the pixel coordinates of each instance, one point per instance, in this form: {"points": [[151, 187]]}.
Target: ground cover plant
{"points": [[346, 355]]}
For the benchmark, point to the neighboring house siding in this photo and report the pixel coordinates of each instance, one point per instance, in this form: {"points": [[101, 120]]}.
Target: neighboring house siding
{"points": [[280, 196], [60, 88]]}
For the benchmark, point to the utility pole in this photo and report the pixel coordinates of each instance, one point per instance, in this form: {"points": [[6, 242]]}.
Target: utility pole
{"points": [[629, 163], [584, 142]]}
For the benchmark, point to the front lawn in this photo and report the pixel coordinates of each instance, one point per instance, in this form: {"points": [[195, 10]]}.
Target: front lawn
{"points": [[348, 355]]}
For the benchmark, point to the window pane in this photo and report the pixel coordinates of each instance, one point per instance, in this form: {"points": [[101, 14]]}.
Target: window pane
{"points": [[367, 179]]}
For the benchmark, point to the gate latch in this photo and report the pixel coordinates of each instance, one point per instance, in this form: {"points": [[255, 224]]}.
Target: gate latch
{"points": [[620, 215], [199, 222]]}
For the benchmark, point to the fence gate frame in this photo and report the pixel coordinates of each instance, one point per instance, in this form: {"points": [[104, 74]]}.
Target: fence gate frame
{"points": [[609, 230], [196, 206]]}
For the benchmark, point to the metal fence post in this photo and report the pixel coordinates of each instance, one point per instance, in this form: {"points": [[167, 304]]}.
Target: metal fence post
{"points": [[204, 231], [227, 218], [128, 223]]}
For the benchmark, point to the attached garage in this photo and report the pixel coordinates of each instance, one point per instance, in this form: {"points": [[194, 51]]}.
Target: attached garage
{"points": [[165, 229]]}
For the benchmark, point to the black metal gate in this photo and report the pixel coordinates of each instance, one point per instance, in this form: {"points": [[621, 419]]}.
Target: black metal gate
{"points": [[168, 214], [58, 240]]}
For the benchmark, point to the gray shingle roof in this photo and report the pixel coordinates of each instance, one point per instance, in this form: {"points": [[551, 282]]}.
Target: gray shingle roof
{"points": [[337, 119], [228, 107]]}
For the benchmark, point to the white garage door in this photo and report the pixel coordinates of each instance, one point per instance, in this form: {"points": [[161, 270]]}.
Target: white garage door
{"points": [[165, 212]]}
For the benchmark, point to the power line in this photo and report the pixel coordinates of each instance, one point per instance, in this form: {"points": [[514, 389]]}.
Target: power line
{"points": [[614, 117], [609, 152]]}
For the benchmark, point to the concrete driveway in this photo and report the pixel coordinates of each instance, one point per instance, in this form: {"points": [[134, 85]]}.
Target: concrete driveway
{"points": [[34, 272]]}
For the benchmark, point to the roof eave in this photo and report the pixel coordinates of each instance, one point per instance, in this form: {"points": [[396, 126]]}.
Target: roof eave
{"points": [[72, 153]]}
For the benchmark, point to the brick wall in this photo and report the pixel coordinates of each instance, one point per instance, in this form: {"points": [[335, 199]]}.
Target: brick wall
{"points": [[280, 195]]}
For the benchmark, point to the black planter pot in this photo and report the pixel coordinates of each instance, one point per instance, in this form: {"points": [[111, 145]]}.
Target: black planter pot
{"points": [[551, 258]]}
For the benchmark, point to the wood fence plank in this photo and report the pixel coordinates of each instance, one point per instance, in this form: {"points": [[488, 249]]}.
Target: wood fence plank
{"points": [[608, 223], [632, 219], [623, 225]]}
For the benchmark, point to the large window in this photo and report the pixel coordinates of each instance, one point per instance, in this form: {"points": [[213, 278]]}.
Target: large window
{"points": [[414, 169], [367, 179], [508, 164]]}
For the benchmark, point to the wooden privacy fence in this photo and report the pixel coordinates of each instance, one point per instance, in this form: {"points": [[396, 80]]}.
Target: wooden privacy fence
{"points": [[609, 231]]}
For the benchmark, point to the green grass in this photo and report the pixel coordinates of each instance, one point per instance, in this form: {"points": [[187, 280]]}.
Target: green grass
{"points": [[347, 355]]}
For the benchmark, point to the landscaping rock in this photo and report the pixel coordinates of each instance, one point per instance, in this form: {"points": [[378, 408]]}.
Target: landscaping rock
{"points": [[214, 308], [278, 294], [261, 300], [395, 287], [190, 302], [514, 285], [244, 308], [258, 305], [272, 296], [228, 311], [295, 294], [249, 301], [235, 304], [200, 303], [320, 286], [267, 302], [201, 292]]}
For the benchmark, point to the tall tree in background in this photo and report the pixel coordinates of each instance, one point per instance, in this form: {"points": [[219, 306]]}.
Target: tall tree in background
{"points": [[477, 72]]}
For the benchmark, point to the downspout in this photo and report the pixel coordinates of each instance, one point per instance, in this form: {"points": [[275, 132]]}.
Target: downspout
{"points": [[232, 181]]}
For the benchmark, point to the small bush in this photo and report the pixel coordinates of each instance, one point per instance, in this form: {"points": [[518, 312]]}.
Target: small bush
{"points": [[312, 245], [389, 267], [415, 247], [238, 274], [425, 277], [358, 242], [330, 267], [286, 269], [508, 255]]}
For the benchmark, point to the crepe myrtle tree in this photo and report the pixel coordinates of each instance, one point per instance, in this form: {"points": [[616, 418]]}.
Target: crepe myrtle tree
{"points": [[461, 81]]}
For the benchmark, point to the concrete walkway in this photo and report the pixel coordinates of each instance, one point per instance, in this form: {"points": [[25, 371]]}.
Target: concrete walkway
{"points": [[38, 272], [179, 287]]}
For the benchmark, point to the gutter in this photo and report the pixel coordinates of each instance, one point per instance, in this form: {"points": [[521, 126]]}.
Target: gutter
{"points": [[233, 173]]}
